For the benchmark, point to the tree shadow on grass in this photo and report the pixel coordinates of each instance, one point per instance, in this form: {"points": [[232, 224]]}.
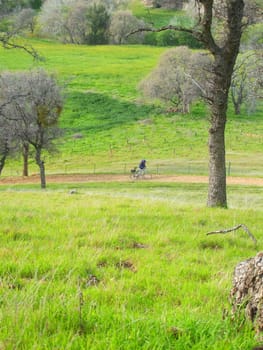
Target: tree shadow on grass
{"points": [[94, 112]]}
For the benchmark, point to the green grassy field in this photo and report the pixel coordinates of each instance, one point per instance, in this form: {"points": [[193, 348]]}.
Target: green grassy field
{"points": [[109, 127], [125, 266], [155, 16], [122, 266]]}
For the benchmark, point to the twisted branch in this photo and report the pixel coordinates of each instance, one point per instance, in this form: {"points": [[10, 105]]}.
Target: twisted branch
{"points": [[245, 228]]}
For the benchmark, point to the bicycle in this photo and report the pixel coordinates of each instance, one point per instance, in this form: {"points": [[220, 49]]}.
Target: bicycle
{"points": [[139, 174]]}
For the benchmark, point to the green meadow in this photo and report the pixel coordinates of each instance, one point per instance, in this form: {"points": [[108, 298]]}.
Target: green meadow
{"points": [[122, 266], [125, 266], [108, 126]]}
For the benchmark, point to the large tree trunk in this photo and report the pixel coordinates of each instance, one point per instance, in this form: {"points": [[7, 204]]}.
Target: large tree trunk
{"points": [[217, 169], [224, 61], [41, 165]]}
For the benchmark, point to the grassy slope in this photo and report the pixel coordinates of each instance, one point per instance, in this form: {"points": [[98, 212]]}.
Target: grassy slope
{"points": [[155, 16], [118, 128]]}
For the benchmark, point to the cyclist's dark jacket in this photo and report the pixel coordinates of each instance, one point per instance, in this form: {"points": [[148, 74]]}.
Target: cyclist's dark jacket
{"points": [[142, 164]]}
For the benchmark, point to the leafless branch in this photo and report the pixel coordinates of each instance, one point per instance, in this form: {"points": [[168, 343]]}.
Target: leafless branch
{"points": [[12, 99], [196, 84], [245, 228], [8, 42], [161, 29]]}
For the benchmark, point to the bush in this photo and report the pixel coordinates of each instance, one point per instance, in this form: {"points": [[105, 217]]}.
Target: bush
{"points": [[188, 40], [5, 24], [123, 23], [150, 39], [172, 38], [35, 4]]}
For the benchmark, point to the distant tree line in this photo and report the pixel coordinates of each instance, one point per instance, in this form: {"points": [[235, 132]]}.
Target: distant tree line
{"points": [[92, 22]]}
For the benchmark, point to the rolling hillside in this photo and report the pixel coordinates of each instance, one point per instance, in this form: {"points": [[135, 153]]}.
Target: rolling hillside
{"points": [[109, 127]]}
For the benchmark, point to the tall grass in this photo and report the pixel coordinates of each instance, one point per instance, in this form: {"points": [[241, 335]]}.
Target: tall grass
{"points": [[120, 266]]}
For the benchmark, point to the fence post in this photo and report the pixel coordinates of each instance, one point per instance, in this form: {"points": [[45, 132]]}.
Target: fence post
{"points": [[229, 168]]}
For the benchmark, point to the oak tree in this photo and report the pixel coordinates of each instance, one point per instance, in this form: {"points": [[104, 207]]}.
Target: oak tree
{"points": [[34, 114], [227, 15], [179, 79]]}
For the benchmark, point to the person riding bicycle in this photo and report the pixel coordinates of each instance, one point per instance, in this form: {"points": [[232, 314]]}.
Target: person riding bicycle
{"points": [[142, 166]]}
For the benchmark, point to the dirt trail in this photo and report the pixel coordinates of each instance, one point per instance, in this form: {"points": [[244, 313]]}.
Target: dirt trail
{"points": [[75, 178]]}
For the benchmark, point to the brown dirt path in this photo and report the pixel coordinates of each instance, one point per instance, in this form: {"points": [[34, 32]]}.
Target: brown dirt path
{"points": [[75, 178]]}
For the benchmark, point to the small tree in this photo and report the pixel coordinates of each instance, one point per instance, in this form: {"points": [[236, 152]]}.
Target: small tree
{"points": [[34, 115], [78, 21], [180, 78], [122, 23], [41, 114], [246, 83], [98, 19], [8, 34], [25, 20], [6, 141], [9, 142]]}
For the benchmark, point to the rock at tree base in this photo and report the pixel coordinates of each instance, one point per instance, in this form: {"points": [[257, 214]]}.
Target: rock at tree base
{"points": [[247, 291]]}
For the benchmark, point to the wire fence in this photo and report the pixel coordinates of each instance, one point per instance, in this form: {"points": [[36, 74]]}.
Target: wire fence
{"points": [[153, 168]]}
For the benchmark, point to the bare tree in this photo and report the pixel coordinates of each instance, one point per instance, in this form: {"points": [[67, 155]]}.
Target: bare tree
{"points": [[9, 38], [35, 114], [8, 41], [6, 137], [77, 21], [123, 22], [246, 83], [25, 20], [41, 113], [180, 78], [224, 50], [9, 142]]}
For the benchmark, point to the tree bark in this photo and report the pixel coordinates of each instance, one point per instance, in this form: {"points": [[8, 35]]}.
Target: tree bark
{"points": [[247, 292], [217, 169], [224, 61], [41, 165]]}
